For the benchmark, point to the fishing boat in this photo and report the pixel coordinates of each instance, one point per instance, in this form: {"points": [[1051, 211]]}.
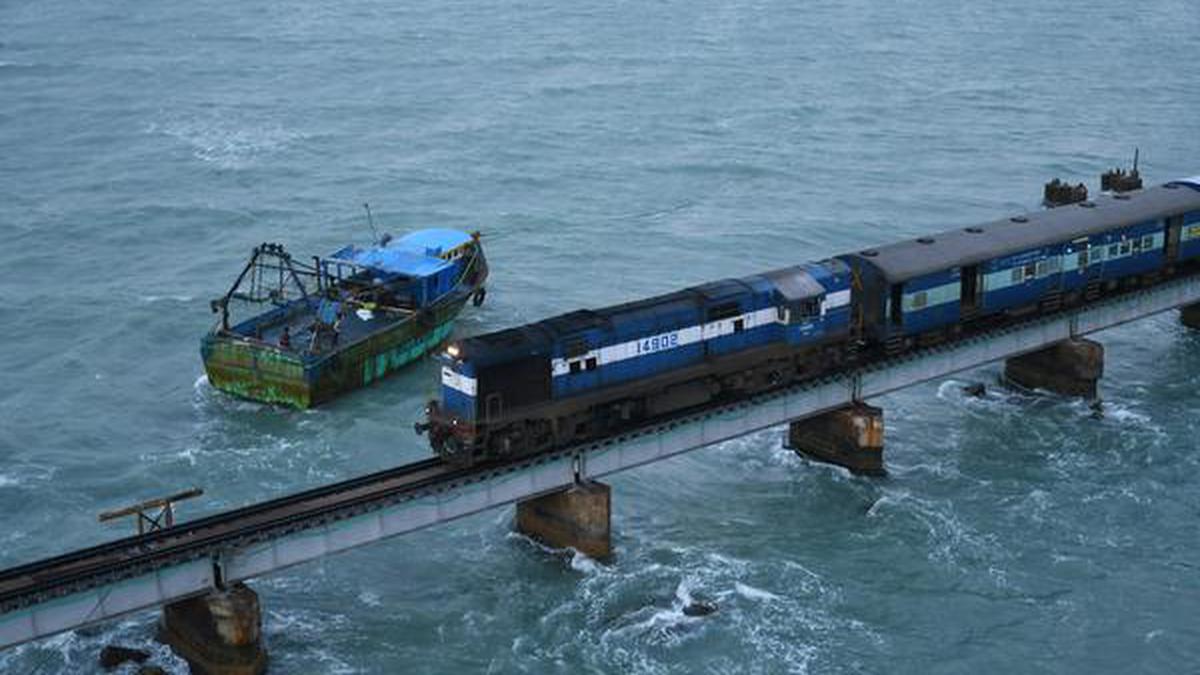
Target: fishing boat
{"points": [[319, 328]]}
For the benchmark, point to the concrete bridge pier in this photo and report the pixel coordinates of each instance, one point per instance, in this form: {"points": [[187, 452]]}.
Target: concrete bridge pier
{"points": [[1189, 315], [578, 517], [1071, 368], [850, 437], [219, 633]]}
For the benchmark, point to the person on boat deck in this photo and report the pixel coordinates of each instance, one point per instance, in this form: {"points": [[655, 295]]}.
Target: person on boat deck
{"points": [[337, 325], [285, 338]]}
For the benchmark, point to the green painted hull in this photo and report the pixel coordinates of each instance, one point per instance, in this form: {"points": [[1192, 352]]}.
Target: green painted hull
{"points": [[263, 372]]}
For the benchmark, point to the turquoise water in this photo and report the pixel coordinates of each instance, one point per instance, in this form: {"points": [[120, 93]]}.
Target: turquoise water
{"points": [[608, 151]]}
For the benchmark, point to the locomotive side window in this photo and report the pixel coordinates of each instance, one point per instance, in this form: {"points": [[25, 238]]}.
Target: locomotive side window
{"points": [[724, 311]]}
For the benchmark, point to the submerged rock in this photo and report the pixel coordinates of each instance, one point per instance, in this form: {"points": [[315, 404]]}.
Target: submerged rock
{"points": [[113, 656], [699, 608], [977, 390]]}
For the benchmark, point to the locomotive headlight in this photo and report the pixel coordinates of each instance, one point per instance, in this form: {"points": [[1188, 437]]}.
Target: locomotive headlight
{"points": [[452, 351]]}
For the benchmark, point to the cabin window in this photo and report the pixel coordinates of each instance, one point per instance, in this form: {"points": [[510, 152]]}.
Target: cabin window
{"points": [[576, 367], [590, 363], [1047, 267]]}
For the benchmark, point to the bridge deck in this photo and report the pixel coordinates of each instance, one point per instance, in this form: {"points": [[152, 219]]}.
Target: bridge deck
{"points": [[95, 584]]}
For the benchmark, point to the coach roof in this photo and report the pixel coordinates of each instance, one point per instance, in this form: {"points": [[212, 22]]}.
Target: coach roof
{"points": [[941, 251]]}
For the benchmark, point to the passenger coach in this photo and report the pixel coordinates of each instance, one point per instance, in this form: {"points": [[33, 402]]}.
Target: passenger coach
{"points": [[930, 288]]}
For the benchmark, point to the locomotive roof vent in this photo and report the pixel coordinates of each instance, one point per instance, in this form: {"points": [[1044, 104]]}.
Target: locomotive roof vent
{"points": [[974, 230], [924, 240], [1020, 219], [1088, 205], [870, 253]]}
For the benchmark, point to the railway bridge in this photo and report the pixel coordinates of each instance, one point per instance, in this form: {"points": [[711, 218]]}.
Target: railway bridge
{"points": [[196, 568]]}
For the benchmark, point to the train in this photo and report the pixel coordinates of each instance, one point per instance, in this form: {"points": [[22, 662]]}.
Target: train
{"points": [[591, 374]]}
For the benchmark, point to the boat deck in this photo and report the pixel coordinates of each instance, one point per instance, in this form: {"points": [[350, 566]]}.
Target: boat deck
{"points": [[309, 336]]}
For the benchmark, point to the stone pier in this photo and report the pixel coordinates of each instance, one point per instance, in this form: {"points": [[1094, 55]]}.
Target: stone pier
{"points": [[1189, 315], [851, 437], [217, 634], [577, 518], [1071, 368]]}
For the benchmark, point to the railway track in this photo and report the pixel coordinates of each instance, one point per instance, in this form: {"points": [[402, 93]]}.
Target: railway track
{"points": [[192, 539]]}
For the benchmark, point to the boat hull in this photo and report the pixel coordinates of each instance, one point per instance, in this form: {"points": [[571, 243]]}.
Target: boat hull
{"points": [[263, 372]]}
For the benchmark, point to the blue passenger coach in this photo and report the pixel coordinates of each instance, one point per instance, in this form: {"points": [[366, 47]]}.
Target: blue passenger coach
{"points": [[934, 286]]}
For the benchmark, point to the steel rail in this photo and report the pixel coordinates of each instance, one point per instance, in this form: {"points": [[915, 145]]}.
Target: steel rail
{"points": [[137, 544]]}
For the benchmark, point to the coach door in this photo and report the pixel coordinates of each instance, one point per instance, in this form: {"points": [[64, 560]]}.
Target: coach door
{"points": [[1174, 230], [493, 408], [970, 290]]}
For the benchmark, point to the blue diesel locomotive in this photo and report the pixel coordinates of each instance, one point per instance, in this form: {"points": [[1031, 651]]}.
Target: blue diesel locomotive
{"points": [[593, 373]]}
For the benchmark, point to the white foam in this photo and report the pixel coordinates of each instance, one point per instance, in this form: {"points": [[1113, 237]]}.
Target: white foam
{"points": [[229, 144], [751, 593]]}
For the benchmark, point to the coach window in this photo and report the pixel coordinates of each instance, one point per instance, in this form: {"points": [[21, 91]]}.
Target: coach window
{"points": [[1083, 258], [919, 300], [739, 325], [1018, 275], [1147, 242], [576, 366], [1126, 247], [590, 363], [1114, 250]]}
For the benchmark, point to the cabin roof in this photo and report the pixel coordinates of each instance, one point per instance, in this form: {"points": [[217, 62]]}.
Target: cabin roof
{"points": [[431, 242], [393, 260]]}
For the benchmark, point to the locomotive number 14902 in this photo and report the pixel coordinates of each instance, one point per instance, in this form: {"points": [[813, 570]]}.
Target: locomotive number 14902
{"points": [[658, 343]]}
